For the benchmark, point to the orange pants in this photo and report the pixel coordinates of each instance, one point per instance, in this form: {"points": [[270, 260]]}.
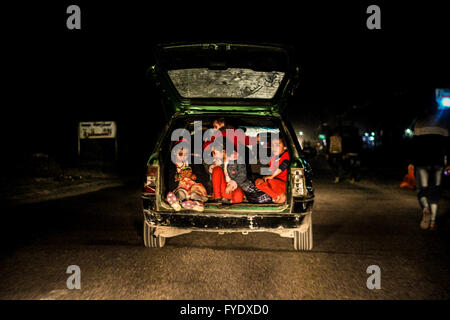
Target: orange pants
{"points": [[273, 187], [220, 184], [409, 181]]}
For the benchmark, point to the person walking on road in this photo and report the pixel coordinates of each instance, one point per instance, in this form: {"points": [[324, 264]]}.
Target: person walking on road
{"points": [[352, 149], [429, 157], [334, 155]]}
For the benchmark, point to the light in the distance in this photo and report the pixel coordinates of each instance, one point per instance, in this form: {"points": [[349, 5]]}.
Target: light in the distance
{"points": [[409, 132], [445, 102], [443, 98]]}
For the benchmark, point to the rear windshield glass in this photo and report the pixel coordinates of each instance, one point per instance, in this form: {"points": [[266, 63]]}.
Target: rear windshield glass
{"points": [[229, 83]]}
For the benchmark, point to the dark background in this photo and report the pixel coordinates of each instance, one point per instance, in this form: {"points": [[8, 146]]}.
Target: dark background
{"points": [[56, 77]]}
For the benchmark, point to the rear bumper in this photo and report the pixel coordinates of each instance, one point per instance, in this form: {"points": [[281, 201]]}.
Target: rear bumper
{"points": [[224, 222], [229, 221]]}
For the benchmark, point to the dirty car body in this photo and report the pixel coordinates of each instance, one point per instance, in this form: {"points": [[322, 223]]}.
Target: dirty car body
{"points": [[247, 82]]}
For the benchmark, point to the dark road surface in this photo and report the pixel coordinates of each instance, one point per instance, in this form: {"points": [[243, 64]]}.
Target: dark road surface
{"points": [[355, 226]]}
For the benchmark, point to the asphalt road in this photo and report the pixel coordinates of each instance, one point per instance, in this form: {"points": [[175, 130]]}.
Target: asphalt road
{"points": [[355, 226]]}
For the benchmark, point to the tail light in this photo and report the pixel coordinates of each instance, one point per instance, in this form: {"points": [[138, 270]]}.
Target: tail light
{"points": [[152, 179], [298, 181]]}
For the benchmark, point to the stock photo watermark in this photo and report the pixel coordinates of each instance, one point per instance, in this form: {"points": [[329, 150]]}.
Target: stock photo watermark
{"points": [[213, 146], [373, 22], [74, 280], [374, 281], [74, 19]]}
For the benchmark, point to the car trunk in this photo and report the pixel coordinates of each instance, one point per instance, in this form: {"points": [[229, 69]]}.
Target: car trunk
{"points": [[168, 168]]}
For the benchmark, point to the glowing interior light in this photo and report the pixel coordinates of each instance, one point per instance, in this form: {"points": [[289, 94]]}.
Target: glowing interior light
{"points": [[445, 102]]}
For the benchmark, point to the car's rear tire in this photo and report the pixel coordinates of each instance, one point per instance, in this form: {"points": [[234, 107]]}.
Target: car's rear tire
{"points": [[150, 240], [303, 241]]}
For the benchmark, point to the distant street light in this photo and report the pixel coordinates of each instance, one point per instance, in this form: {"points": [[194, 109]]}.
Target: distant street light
{"points": [[409, 132], [443, 98], [446, 102]]}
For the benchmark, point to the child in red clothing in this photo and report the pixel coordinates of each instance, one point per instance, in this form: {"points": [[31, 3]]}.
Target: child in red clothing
{"points": [[275, 184], [225, 189], [228, 132]]}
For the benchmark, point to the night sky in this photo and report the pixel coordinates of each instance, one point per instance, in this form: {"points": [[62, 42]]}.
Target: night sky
{"points": [[59, 76]]}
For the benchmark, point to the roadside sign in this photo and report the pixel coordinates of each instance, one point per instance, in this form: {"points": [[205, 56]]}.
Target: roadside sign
{"points": [[89, 130], [97, 130]]}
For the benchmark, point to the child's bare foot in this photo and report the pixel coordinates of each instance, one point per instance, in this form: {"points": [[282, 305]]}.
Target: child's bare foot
{"points": [[225, 201], [280, 199]]}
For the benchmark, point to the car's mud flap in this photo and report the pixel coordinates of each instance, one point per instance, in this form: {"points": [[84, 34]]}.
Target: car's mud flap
{"points": [[169, 232], [289, 233]]}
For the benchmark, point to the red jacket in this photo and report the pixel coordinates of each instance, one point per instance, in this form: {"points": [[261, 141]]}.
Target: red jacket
{"points": [[281, 162], [238, 138]]}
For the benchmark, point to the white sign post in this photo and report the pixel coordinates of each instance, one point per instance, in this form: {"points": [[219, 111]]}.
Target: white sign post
{"points": [[97, 130]]}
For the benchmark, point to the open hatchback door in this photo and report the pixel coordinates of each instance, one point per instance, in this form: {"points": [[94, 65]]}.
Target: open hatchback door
{"points": [[202, 77]]}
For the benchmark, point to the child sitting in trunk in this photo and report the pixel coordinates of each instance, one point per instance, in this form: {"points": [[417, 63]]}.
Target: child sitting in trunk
{"points": [[230, 183], [275, 184], [188, 194]]}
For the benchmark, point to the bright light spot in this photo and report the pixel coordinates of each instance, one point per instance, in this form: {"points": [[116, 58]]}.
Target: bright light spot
{"points": [[366, 134], [371, 138], [445, 102], [373, 134], [443, 98], [409, 132], [322, 136], [300, 133]]}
